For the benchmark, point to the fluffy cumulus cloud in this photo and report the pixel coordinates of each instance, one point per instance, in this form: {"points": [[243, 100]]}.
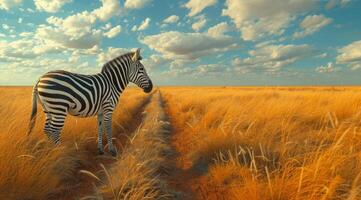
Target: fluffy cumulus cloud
{"points": [[155, 61], [51, 6], [312, 24], [26, 47], [8, 4], [16, 50], [326, 69], [77, 31], [272, 58], [350, 55], [259, 18], [74, 25], [111, 53], [171, 19], [136, 4], [188, 46], [108, 9], [74, 31], [144, 25], [219, 29], [58, 36], [113, 32], [199, 24], [196, 6]]}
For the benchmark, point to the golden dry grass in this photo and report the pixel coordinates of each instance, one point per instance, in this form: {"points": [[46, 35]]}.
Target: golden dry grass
{"points": [[138, 172], [33, 168], [269, 143], [233, 143]]}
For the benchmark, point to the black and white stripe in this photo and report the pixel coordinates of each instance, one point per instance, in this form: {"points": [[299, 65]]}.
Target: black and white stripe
{"points": [[62, 93]]}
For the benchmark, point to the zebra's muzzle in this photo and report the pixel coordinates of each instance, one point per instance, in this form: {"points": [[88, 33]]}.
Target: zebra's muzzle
{"points": [[149, 88]]}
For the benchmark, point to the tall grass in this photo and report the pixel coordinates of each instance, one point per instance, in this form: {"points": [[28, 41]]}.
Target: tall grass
{"points": [[269, 143], [137, 174], [32, 167]]}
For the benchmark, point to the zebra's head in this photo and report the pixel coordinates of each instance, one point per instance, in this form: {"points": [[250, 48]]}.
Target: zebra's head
{"points": [[138, 75]]}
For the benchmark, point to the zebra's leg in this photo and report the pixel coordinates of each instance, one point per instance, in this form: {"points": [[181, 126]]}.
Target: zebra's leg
{"points": [[100, 134], [56, 124], [108, 125], [47, 128]]}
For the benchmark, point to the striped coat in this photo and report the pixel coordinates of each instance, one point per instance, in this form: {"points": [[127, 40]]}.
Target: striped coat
{"points": [[61, 93]]}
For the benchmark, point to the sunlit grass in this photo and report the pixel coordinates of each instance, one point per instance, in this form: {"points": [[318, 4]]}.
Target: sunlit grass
{"points": [[270, 143], [32, 167]]}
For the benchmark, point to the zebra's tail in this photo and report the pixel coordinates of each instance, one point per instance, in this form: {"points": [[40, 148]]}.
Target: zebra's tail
{"points": [[33, 109]]}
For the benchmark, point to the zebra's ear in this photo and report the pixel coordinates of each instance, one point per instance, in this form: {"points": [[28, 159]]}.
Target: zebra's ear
{"points": [[136, 55]]}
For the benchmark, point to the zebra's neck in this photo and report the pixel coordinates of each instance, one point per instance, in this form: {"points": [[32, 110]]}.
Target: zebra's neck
{"points": [[116, 72]]}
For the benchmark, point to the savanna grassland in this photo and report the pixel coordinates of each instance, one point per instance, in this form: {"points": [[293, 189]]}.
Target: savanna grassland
{"points": [[267, 143], [251, 143]]}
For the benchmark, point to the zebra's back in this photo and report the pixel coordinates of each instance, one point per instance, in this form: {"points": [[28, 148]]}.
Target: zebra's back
{"points": [[64, 92]]}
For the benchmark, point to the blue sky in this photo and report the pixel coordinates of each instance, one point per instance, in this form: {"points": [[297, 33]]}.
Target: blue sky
{"points": [[188, 42]]}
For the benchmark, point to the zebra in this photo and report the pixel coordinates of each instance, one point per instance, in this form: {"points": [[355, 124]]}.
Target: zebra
{"points": [[61, 93]]}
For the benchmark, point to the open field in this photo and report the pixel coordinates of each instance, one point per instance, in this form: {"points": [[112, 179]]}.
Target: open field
{"points": [[192, 143]]}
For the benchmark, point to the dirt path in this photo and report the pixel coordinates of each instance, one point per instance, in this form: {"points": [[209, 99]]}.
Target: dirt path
{"points": [[184, 178], [143, 167], [182, 181], [83, 184]]}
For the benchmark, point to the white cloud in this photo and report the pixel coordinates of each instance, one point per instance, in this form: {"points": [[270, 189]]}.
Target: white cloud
{"points": [[171, 19], [199, 24], [134, 28], [144, 25], [196, 6], [111, 53], [6, 27], [350, 54], [30, 10], [19, 49], [75, 25], [219, 29], [107, 26], [108, 9], [76, 31], [20, 20], [136, 4], [204, 70], [323, 55], [51, 6], [113, 32], [333, 3], [238, 67], [312, 24], [8, 4], [74, 58], [25, 48], [48, 48], [211, 69], [326, 69], [85, 40], [260, 18], [155, 61], [272, 58], [178, 45]]}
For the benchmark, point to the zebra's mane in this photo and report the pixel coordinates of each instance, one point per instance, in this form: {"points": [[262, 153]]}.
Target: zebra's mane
{"points": [[130, 54]]}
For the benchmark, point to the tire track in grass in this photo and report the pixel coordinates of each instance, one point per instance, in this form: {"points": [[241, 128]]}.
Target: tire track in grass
{"points": [[87, 177], [142, 168], [184, 177]]}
